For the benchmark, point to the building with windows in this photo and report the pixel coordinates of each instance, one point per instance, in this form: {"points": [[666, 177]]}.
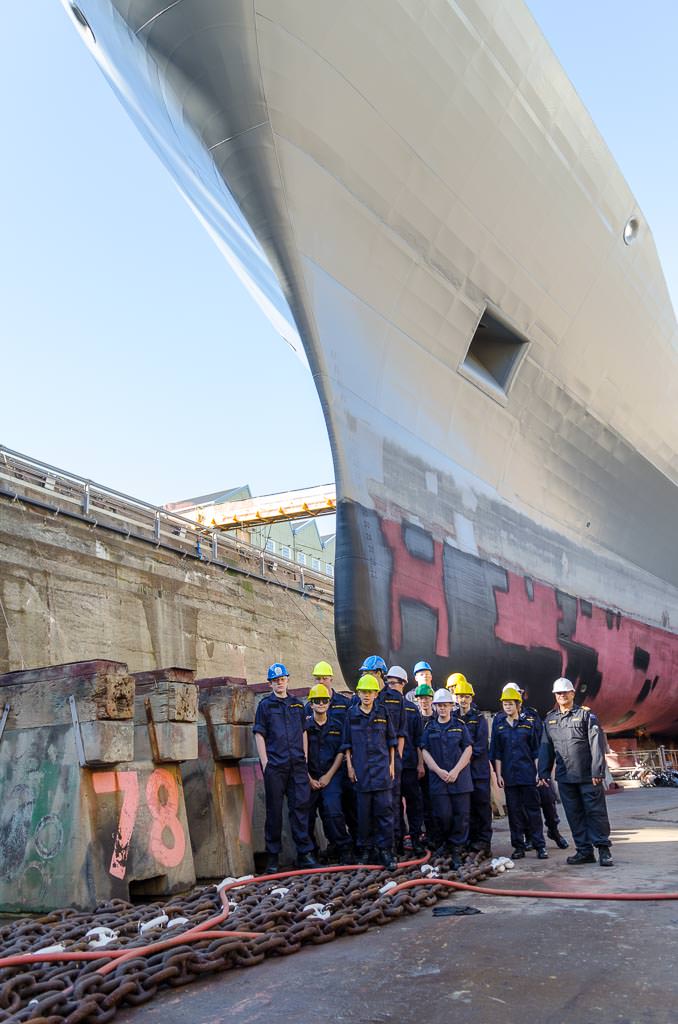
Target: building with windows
{"points": [[301, 539]]}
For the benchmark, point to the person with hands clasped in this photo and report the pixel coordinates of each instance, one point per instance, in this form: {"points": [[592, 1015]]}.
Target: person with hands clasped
{"points": [[369, 743], [447, 749], [514, 750], [325, 759]]}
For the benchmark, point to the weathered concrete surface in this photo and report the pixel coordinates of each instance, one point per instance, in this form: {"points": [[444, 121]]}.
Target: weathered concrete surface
{"points": [[520, 960], [70, 593]]}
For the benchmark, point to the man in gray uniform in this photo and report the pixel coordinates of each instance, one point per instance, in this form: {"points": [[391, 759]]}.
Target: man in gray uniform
{"points": [[573, 739]]}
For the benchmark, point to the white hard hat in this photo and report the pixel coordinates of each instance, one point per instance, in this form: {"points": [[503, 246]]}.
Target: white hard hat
{"points": [[443, 697], [397, 672], [562, 686]]}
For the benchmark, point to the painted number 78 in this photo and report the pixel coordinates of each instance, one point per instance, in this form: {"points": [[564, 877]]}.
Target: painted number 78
{"points": [[163, 814]]}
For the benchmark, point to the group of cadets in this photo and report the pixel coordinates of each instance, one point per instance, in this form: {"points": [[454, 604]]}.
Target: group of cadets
{"points": [[377, 765]]}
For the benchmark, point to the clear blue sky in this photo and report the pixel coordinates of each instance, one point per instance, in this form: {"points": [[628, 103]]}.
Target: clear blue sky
{"points": [[130, 354]]}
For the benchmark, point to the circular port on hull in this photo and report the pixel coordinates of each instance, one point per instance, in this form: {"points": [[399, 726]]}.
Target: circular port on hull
{"points": [[82, 23], [631, 229]]}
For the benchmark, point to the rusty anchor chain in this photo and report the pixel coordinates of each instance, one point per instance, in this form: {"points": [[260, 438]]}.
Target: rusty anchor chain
{"points": [[287, 914]]}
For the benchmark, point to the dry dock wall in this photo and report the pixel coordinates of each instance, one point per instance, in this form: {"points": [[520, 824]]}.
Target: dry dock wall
{"points": [[70, 591]]}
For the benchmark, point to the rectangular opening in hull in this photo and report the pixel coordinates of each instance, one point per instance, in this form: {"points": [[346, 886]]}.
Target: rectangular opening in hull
{"points": [[493, 356]]}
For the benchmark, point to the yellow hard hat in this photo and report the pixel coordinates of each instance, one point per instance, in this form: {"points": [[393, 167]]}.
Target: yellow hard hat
{"points": [[319, 690], [455, 678], [323, 669], [367, 682], [463, 686], [510, 692]]}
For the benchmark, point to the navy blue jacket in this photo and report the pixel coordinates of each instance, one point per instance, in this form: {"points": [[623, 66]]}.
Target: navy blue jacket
{"points": [[393, 703], [369, 738], [446, 743], [413, 732], [576, 742], [324, 743], [479, 733], [282, 722], [517, 747]]}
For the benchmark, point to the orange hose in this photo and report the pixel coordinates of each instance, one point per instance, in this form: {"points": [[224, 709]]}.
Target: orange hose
{"points": [[92, 954], [547, 894]]}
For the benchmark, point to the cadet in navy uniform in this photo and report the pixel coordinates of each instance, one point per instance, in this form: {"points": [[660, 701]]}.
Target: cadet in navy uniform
{"points": [[409, 762], [279, 732], [392, 701], [480, 829], [547, 798], [339, 703], [423, 696], [369, 742], [325, 760], [514, 750], [410, 783], [447, 751], [574, 740]]}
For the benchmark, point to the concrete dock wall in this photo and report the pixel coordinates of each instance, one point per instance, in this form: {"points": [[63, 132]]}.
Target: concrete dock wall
{"points": [[71, 591]]}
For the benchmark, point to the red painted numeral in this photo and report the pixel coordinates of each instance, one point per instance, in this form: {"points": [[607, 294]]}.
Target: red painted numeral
{"points": [[128, 784], [162, 798], [164, 814]]}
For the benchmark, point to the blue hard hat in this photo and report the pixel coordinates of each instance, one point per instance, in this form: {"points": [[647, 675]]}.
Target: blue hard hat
{"points": [[374, 664], [276, 671], [421, 666]]}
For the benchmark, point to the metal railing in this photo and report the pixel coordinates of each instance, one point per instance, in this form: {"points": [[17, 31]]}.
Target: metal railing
{"points": [[660, 758], [59, 492]]}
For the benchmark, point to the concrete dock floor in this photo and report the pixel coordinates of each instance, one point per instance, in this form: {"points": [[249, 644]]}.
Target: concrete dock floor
{"points": [[520, 960]]}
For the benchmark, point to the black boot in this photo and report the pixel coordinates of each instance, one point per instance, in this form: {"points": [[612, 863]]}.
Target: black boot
{"points": [[542, 854], [347, 855], [455, 859], [306, 860], [517, 854], [271, 864], [605, 857], [560, 841], [581, 858], [387, 859], [418, 848]]}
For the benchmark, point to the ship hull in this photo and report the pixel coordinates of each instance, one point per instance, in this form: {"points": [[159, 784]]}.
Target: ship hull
{"points": [[407, 169]]}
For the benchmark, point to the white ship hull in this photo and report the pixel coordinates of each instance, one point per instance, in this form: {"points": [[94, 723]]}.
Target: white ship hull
{"points": [[407, 167]]}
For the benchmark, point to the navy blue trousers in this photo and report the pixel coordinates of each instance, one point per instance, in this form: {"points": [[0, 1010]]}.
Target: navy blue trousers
{"points": [[289, 781], [327, 803], [480, 827], [375, 818], [524, 815], [410, 791], [348, 804], [452, 812], [586, 813], [397, 804], [547, 799], [432, 836]]}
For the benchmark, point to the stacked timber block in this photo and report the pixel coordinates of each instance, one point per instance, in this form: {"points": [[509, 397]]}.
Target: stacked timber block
{"points": [[91, 796], [224, 787], [125, 785]]}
